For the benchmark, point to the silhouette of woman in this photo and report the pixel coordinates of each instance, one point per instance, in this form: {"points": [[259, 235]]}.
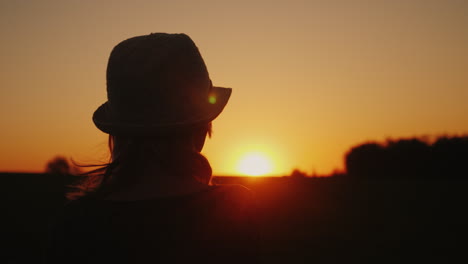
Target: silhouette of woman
{"points": [[153, 202]]}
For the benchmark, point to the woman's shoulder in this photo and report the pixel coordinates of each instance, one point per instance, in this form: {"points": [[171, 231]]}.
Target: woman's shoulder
{"points": [[235, 191], [232, 196], [235, 196], [237, 208], [72, 211], [80, 209]]}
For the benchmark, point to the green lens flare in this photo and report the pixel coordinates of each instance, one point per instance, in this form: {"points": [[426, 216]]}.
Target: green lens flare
{"points": [[212, 99]]}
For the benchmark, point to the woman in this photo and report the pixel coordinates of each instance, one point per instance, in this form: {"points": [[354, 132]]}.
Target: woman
{"points": [[153, 202]]}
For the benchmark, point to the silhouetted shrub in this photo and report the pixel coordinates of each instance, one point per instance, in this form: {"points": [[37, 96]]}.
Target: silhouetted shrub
{"points": [[61, 165], [410, 158], [296, 173], [58, 165], [407, 158], [365, 160], [451, 156]]}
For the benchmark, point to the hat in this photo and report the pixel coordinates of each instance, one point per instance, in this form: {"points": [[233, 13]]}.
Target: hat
{"points": [[157, 83]]}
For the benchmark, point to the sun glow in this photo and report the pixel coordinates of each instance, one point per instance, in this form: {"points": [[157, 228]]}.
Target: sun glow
{"points": [[255, 164]]}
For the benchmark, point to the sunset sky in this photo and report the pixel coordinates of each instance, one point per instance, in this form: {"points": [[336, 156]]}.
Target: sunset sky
{"points": [[310, 79]]}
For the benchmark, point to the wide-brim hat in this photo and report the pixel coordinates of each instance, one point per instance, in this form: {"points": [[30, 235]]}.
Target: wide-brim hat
{"points": [[158, 83]]}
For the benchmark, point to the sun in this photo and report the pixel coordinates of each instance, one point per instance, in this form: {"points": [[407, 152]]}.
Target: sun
{"points": [[254, 164]]}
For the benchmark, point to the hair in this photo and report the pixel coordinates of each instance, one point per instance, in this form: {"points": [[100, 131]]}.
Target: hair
{"points": [[176, 154]]}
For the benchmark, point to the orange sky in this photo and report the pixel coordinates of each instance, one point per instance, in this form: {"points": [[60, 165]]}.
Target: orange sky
{"points": [[310, 79]]}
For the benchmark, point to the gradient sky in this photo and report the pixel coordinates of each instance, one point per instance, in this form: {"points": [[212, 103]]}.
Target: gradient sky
{"points": [[310, 79]]}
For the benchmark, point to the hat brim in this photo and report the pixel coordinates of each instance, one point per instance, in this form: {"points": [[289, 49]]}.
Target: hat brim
{"points": [[108, 123]]}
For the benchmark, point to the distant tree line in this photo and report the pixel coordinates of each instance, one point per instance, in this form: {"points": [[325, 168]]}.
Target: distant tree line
{"points": [[445, 158]]}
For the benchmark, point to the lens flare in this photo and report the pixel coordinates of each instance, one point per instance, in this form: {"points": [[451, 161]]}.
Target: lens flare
{"points": [[212, 99]]}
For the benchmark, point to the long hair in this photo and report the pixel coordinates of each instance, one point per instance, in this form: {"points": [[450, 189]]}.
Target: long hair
{"points": [[176, 154]]}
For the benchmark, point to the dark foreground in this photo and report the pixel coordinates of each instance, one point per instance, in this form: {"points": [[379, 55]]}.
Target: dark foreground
{"points": [[303, 220]]}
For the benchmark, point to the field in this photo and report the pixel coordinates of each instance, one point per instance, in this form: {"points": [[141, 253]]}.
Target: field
{"points": [[302, 220]]}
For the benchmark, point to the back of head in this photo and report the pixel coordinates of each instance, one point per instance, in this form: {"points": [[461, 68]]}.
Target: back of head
{"points": [[160, 105], [158, 83]]}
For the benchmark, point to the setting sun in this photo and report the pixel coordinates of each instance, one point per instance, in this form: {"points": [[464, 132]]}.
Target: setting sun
{"points": [[255, 164]]}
